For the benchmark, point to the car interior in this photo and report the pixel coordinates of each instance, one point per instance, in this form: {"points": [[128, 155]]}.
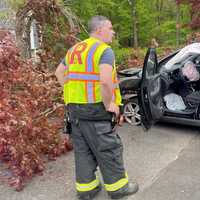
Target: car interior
{"points": [[182, 95]]}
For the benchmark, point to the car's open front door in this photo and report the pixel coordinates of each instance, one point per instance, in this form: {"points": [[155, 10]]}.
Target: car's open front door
{"points": [[151, 90]]}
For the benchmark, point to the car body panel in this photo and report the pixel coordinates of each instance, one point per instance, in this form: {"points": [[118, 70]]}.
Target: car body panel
{"points": [[179, 120], [130, 72]]}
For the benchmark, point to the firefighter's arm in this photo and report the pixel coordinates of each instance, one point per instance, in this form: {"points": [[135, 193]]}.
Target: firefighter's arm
{"points": [[60, 73], [107, 88]]}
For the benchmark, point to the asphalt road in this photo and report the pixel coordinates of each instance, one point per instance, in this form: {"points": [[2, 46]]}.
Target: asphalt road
{"points": [[165, 161]]}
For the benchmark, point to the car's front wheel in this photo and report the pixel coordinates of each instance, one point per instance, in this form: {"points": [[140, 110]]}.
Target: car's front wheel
{"points": [[131, 112]]}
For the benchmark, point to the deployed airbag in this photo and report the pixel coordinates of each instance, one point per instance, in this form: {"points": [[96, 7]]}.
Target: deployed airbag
{"points": [[189, 70], [174, 102]]}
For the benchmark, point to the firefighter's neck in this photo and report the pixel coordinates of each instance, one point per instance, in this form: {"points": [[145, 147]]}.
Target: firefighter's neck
{"points": [[97, 36]]}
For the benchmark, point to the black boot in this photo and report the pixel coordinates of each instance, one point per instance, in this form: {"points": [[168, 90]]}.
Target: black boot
{"points": [[90, 194], [129, 189]]}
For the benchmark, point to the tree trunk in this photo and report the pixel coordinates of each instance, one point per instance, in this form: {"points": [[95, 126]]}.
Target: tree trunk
{"points": [[159, 7], [177, 25], [134, 18]]}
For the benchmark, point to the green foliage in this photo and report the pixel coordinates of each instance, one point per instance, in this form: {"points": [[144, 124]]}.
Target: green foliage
{"points": [[155, 19], [16, 4], [146, 22], [122, 54], [159, 21], [166, 32]]}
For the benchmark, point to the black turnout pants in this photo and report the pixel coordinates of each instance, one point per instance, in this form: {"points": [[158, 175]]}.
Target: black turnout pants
{"points": [[96, 144]]}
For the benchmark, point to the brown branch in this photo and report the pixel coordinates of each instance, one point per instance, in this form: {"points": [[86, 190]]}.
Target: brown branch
{"points": [[49, 111]]}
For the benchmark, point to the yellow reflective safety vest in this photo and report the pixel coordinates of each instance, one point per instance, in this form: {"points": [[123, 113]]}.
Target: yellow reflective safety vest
{"points": [[82, 78]]}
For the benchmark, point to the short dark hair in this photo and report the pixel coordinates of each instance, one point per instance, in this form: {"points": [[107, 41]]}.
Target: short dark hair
{"points": [[95, 22]]}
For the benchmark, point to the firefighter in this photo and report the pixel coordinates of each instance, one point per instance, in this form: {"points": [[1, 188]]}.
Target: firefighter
{"points": [[92, 95]]}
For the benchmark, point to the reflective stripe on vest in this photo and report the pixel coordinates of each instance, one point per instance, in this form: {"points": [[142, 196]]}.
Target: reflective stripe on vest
{"points": [[90, 58], [79, 76], [82, 78], [84, 187], [117, 185], [90, 86]]}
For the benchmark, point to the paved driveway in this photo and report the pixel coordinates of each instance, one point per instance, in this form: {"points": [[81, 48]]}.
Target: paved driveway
{"points": [[165, 161]]}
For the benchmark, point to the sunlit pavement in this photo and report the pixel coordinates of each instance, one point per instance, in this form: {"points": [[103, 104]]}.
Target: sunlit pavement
{"points": [[165, 161]]}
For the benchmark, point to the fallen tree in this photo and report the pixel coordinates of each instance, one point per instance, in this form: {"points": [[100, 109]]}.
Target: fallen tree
{"points": [[30, 117]]}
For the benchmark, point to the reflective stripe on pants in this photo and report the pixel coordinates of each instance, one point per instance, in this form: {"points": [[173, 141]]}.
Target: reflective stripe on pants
{"points": [[96, 144], [117, 185], [84, 187]]}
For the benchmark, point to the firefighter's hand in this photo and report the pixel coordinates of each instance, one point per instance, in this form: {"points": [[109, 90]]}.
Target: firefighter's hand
{"points": [[113, 108]]}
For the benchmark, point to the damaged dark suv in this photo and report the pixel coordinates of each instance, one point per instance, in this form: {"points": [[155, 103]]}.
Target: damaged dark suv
{"points": [[168, 90]]}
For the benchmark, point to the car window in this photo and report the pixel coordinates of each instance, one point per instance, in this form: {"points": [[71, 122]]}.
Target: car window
{"points": [[151, 65]]}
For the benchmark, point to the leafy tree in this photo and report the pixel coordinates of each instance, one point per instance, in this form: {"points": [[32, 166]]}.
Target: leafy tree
{"points": [[195, 12], [153, 19]]}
